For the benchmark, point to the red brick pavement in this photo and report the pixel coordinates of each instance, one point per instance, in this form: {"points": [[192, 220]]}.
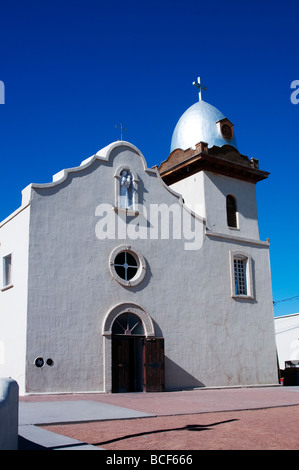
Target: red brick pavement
{"points": [[240, 418], [193, 401], [266, 429]]}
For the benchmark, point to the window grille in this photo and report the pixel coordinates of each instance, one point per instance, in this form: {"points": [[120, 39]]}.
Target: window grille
{"points": [[240, 276], [126, 265], [127, 324]]}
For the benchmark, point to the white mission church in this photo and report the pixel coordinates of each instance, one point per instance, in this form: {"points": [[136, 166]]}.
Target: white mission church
{"points": [[122, 278]]}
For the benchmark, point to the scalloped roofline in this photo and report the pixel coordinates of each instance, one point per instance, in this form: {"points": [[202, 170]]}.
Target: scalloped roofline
{"points": [[104, 154], [101, 155]]}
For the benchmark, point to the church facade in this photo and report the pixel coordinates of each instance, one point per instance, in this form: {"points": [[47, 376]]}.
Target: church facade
{"points": [[122, 278]]}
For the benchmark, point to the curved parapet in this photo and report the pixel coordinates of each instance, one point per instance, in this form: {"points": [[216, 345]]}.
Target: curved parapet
{"points": [[102, 155]]}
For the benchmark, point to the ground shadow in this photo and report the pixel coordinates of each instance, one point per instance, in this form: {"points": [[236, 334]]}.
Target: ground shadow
{"points": [[188, 427], [25, 444]]}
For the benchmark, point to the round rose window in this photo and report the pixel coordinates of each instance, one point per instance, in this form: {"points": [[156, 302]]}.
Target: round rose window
{"points": [[127, 266]]}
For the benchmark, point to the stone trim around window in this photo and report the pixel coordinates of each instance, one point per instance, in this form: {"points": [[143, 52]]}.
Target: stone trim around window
{"points": [[141, 266], [238, 255]]}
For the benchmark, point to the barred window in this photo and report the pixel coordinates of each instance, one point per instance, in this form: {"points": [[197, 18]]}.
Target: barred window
{"points": [[241, 268], [240, 276]]}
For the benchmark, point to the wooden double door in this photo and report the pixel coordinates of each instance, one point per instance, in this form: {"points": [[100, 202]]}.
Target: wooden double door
{"points": [[137, 364]]}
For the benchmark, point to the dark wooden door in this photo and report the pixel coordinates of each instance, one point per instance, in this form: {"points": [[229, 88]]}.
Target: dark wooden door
{"points": [[120, 364], [154, 371], [127, 364]]}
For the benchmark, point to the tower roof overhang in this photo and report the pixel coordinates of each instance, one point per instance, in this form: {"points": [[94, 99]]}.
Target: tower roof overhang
{"points": [[224, 160]]}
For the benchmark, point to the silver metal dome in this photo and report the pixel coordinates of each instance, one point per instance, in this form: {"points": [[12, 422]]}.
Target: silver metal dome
{"points": [[199, 124]]}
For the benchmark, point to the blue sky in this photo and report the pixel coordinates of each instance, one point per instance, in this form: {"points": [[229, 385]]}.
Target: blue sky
{"points": [[73, 70]]}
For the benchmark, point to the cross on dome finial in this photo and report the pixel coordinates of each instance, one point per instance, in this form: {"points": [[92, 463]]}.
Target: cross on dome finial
{"points": [[200, 87]]}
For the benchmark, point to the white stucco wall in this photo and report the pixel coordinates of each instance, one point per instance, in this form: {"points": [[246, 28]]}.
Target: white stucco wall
{"points": [[192, 190], [70, 285], [14, 239], [211, 339], [206, 193]]}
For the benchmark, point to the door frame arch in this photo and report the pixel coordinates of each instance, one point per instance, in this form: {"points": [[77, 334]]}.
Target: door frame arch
{"points": [[119, 309]]}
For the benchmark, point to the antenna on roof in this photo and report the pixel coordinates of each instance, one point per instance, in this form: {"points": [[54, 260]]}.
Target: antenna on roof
{"points": [[121, 127]]}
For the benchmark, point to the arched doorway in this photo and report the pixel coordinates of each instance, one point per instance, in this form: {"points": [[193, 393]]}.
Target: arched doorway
{"points": [[127, 353], [133, 355]]}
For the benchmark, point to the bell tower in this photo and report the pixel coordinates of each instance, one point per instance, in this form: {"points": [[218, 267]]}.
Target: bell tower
{"points": [[215, 180]]}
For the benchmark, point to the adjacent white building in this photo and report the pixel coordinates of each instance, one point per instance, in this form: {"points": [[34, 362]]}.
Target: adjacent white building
{"points": [[118, 277], [287, 339]]}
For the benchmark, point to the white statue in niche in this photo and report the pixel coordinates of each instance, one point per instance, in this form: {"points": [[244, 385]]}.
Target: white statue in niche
{"points": [[126, 190]]}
